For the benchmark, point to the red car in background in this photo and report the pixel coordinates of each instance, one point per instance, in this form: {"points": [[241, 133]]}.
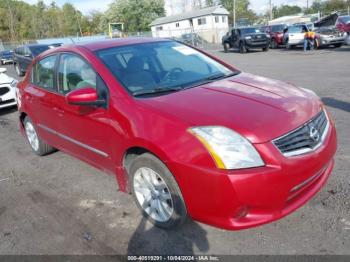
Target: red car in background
{"points": [[186, 133], [276, 33], [343, 23]]}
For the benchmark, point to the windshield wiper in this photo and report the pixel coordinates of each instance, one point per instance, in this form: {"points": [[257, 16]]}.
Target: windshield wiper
{"points": [[157, 91], [211, 79], [221, 76]]}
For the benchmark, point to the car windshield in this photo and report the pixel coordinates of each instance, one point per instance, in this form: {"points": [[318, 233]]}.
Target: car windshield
{"points": [[161, 66], [250, 31], [295, 29], [277, 28], [345, 19], [37, 50]]}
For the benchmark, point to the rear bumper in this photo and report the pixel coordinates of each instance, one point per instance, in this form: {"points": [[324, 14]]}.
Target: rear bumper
{"points": [[247, 198]]}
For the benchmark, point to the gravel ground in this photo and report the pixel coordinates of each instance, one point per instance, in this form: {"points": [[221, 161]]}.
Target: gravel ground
{"points": [[60, 205]]}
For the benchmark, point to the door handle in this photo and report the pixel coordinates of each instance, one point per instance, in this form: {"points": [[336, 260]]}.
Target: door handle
{"points": [[60, 111]]}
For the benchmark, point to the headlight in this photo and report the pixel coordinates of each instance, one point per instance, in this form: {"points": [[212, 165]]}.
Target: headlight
{"points": [[14, 83], [309, 91], [248, 37], [228, 149]]}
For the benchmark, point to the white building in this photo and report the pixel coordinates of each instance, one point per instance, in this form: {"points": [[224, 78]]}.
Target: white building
{"points": [[209, 23]]}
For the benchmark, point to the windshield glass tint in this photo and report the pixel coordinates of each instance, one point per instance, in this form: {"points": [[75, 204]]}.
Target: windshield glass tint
{"points": [[37, 50], [250, 31], [295, 29], [277, 28], [151, 66], [345, 19]]}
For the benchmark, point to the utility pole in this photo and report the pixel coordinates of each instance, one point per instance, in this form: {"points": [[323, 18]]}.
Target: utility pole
{"points": [[307, 4], [270, 9], [234, 13]]}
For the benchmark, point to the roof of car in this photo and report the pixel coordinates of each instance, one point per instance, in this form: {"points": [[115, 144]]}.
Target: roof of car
{"points": [[98, 45], [103, 44]]}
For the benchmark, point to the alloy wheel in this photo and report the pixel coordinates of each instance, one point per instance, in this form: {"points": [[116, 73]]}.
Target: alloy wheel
{"points": [[153, 194], [32, 136]]}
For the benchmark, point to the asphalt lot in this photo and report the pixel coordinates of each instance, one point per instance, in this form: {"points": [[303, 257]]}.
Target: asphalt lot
{"points": [[60, 205]]}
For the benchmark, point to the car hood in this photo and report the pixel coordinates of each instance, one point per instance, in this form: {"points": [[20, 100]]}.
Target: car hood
{"points": [[258, 108], [5, 79]]}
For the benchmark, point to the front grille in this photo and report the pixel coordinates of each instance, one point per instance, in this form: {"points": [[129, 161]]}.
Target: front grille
{"points": [[7, 102], [4, 90], [304, 139]]}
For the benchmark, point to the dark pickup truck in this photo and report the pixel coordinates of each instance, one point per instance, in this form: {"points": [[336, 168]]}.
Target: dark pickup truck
{"points": [[245, 39]]}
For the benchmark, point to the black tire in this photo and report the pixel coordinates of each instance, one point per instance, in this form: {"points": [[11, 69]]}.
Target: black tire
{"points": [[19, 70], [43, 148], [338, 45], [265, 49], [242, 48], [179, 214], [226, 47], [273, 44]]}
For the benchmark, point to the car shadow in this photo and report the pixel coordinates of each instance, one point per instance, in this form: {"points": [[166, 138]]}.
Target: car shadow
{"points": [[335, 103], [8, 110], [342, 49], [151, 240]]}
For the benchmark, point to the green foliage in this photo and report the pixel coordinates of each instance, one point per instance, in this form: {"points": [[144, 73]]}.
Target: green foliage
{"points": [[285, 10], [329, 6], [242, 10], [135, 14]]}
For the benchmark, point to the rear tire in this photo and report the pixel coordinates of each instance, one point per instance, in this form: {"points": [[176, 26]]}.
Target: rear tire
{"points": [[19, 70], [156, 192], [38, 146]]}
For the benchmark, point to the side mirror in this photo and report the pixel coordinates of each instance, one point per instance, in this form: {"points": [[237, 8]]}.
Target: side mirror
{"points": [[86, 96], [3, 70]]}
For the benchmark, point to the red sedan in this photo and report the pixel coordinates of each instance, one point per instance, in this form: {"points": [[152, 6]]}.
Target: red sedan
{"points": [[187, 134]]}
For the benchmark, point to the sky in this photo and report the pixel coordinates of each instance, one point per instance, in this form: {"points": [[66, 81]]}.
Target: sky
{"points": [[259, 6]]}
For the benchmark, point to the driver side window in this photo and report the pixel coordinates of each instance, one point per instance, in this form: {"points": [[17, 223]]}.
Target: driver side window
{"points": [[75, 73]]}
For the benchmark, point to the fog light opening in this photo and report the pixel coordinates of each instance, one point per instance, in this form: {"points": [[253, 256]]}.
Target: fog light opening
{"points": [[241, 212]]}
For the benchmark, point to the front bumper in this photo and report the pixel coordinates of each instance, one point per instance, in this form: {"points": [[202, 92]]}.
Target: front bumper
{"points": [[8, 99], [256, 44], [327, 41], [247, 198]]}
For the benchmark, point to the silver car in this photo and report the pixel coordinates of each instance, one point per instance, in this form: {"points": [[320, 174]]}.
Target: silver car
{"points": [[330, 36]]}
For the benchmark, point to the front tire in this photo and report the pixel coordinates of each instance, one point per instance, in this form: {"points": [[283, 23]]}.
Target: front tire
{"points": [[338, 45], [38, 146], [265, 49], [156, 192], [242, 48], [226, 47], [273, 44]]}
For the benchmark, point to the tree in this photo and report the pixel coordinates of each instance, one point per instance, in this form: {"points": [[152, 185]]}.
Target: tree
{"points": [[135, 14], [242, 10], [285, 10]]}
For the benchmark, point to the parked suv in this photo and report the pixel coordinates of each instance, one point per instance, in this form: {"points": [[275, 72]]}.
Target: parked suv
{"points": [[276, 34], [295, 35], [6, 56], [246, 39], [186, 133], [24, 55]]}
